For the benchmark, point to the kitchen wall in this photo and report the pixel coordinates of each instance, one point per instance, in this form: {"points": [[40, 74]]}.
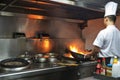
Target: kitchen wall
{"points": [[94, 26]]}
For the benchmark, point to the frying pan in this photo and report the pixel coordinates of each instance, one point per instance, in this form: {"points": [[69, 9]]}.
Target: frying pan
{"points": [[14, 64]]}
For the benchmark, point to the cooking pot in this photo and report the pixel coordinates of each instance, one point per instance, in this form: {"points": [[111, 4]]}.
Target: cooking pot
{"points": [[40, 58], [27, 56], [14, 64], [52, 60], [52, 54]]}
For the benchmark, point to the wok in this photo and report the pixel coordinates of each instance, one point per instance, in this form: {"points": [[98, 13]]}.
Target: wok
{"points": [[79, 57]]}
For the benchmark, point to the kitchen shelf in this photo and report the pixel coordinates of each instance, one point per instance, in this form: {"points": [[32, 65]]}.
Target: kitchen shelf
{"points": [[50, 9]]}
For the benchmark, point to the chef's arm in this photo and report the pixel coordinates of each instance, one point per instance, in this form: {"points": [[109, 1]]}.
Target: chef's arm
{"points": [[94, 52]]}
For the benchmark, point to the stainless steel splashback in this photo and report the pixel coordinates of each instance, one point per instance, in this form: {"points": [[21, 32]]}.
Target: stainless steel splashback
{"points": [[7, 26], [10, 24], [11, 47]]}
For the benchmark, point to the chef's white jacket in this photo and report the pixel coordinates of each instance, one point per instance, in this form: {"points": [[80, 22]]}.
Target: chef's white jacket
{"points": [[108, 40]]}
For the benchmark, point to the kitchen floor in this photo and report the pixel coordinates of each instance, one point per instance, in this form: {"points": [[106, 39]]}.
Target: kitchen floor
{"points": [[89, 78]]}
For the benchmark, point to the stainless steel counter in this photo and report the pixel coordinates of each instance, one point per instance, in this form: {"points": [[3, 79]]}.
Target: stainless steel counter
{"points": [[39, 71]]}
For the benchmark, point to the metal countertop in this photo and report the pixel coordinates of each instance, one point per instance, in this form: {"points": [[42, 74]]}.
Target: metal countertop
{"points": [[33, 69]]}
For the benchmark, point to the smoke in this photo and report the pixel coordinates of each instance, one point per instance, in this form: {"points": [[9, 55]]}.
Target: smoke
{"points": [[66, 34]]}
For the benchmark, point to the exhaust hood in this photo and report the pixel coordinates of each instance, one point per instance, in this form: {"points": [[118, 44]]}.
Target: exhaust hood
{"points": [[82, 10], [50, 9]]}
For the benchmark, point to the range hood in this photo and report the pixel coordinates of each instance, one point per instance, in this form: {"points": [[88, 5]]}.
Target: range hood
{"points": [[83, 10], [49, 8], [96, 4]]}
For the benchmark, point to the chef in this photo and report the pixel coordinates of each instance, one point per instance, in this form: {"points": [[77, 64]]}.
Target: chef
{"points": [[107, 42]]}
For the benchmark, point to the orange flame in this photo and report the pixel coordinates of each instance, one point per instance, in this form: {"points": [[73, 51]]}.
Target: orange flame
{"points": [[43, 45], [46, 45], [73, 48], [68, 55], [76, 49], [36, 16]]}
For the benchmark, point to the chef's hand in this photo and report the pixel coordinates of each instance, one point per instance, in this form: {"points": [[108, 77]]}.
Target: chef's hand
{"points": [[88, 55]]}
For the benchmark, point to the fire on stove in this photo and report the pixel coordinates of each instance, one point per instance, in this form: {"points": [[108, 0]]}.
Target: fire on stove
{"points": [[74, 52]]}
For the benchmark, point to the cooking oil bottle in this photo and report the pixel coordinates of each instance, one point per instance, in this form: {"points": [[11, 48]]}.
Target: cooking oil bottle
{"points": [[115, 60], [98, 67], [103, 68]]}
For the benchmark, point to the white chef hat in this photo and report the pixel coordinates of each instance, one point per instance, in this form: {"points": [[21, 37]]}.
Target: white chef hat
{"points": [[110, 8]]}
